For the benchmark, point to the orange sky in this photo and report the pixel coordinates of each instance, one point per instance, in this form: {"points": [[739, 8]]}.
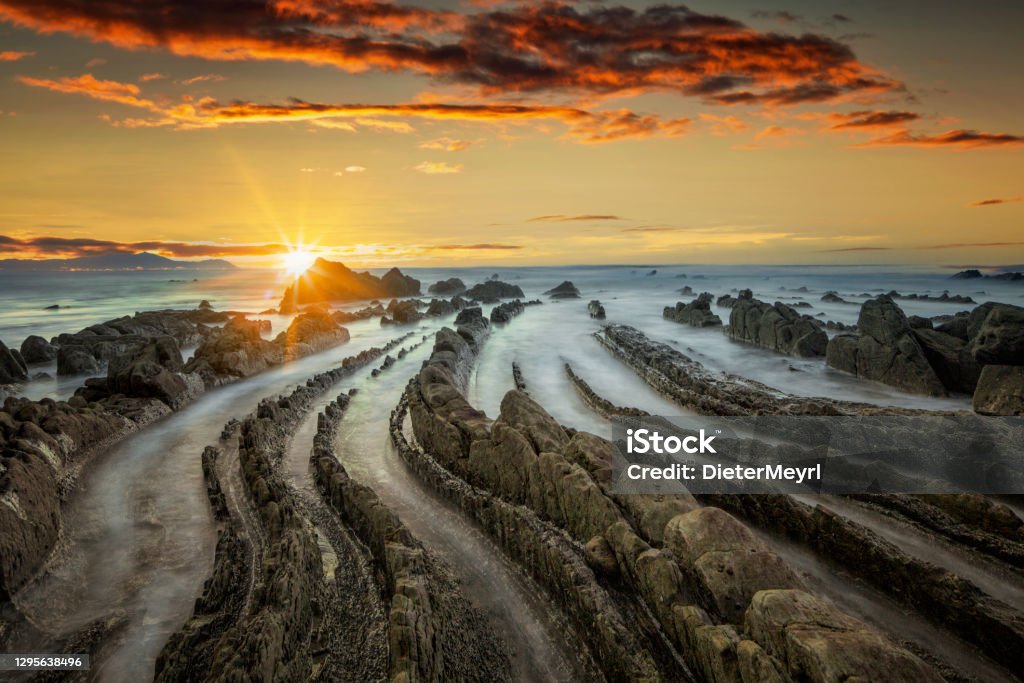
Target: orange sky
{"points": [[534, 133]]}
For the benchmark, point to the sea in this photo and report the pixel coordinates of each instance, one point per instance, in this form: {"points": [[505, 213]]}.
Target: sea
{"points": [[49, 303]]}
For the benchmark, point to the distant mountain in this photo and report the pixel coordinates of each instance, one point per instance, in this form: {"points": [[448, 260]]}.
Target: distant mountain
{"points": [[141, 261]]}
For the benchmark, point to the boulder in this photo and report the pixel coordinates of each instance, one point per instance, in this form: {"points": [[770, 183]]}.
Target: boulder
{"points": [[151, 372], [447, 287], [950, 358], [394, 283], [1000, 390], [566, 290], [697, 313], [777, 327], [997, 335], [75, 361], [439, 307], [833, 298], [35, 349], [596, 310], [819, 643], [886, 350], [403, 313], [725, 560], [503, 313], [12, 366]]}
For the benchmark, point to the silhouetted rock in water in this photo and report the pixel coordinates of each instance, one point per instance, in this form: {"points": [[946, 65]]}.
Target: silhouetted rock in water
{"points": [[777, 327], [697, 313], [802, 289], [834, 298], [491, 291], [974, 274], [447, 287], [950, 358], [687, 290], [375, 310], [12, 366], [886, 351], [503, 313], [1000, 390], [728, 300], [652, 273], [440, 307], [944, 298], [331, 281], [566, 290], [75, 361], [402, 313], [494, 277], [205, 305], [596, 310], [52, 307]]}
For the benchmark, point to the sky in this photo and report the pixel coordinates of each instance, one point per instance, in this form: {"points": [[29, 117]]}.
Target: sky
{"points": [[475, 132]]}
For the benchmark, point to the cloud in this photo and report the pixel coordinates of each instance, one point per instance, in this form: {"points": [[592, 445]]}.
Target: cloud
{"points": [[470, 247], [563, 218], [355, 169], [862, 120], [841, 18], [527, 47], [146, 78], [205, 78], [438, 168], [929, 247], [776, 132], [780, 16], [724, 125], [582, 126], [995, 201], [94, 62], [65, 247], [652, 228], [446, 144], [15, 55], [955, 138]]}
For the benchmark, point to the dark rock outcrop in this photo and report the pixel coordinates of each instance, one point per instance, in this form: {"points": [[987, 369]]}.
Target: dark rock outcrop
{"points": [[777, 327], [974, 274], [728, 300], [447, 287], [833, 298], [332, 281], [566, 290], [944, 298], [402, 313], [12, 366], [697, 313], [886, 350], [1000, 390], [491, 291], [997, 334], [72, 360], [153, 371], [35, 349], [503, 313], [596, 310]]}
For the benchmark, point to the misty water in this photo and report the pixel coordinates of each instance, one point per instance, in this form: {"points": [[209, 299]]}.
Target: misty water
{"points": [[138, 536]]}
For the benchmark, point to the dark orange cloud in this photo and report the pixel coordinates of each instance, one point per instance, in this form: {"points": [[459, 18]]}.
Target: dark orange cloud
{"points": [[995, 201], [14, 55], [955, 138], [562, 218], [582, 126], [861, 120], [928, 247], [528, 47], [71, 247]]}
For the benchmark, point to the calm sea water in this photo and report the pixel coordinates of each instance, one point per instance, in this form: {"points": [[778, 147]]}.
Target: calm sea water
{"points": [[629, 293]]}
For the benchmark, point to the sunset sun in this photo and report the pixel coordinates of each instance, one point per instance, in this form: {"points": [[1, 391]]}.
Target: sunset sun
{"points": [[297, 261]]}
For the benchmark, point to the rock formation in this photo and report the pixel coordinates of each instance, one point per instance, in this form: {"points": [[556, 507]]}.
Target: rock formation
{"points": [[447, 287], [697, 313], [35, 349], [974, 274], [596, 310], [12, 366], [566, 290], [777, 327], [327, 281], [491, 291]]}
